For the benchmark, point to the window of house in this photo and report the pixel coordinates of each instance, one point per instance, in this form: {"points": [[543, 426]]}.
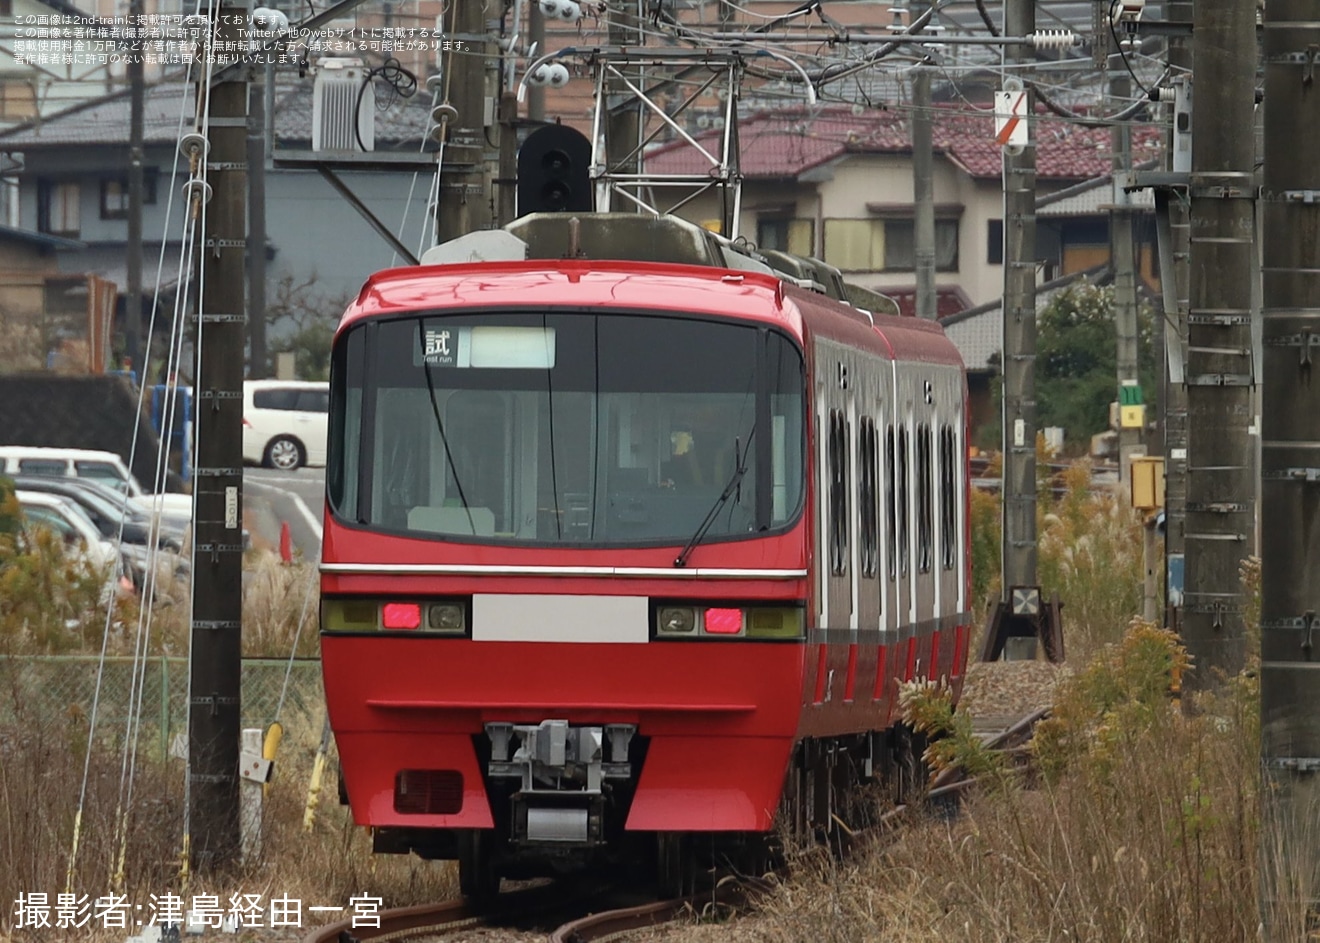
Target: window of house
{"points": [[994, 240], [855, 245], [57, 208], [114, 194], [795, 236], [18, 98], [900, 245]]}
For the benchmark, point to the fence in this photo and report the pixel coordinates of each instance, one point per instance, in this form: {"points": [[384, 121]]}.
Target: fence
{"points": [[38, 691]]}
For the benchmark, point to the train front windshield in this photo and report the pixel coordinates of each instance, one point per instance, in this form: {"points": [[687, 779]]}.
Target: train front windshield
{"points": [[566, 428]]}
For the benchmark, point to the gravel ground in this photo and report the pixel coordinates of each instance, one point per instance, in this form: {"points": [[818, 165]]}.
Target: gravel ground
{"points": [[1004, 688]]}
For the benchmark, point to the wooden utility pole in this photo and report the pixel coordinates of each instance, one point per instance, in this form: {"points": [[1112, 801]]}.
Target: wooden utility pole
{"points": [[213, 716], [464, 205], [1290, 472], [1220, 517], [1019, 307], [923, 194]]}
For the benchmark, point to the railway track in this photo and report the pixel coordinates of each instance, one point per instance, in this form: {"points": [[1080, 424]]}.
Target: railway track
{"points": [[542, 907]]}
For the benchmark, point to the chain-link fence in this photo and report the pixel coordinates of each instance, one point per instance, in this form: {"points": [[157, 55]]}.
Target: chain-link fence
{"points": [[38, 691]]}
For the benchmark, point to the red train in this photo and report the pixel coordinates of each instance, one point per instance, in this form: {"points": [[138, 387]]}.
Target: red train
{"points": [[626, 554]]}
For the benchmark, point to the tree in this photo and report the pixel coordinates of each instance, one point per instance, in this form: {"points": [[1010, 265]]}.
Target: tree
{"points": [[304, 319], [1076, 360]]}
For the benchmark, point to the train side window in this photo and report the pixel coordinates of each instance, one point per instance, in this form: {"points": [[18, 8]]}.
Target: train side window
{"points": [[838, 471], [891, 513], [948, 496], [904, 506], [924, 529], [866, 496]]}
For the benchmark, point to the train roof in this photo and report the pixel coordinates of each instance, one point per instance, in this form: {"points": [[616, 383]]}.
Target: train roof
{"points": [[646, 262]]}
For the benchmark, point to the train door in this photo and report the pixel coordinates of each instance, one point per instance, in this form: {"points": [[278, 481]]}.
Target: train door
{"points": [[925, 584], [950, 498], [903, 652], [871, 389], [836, 517]]}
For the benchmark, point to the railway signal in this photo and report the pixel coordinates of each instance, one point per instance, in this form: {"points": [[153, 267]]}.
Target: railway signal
{"points": [[553, 172]]}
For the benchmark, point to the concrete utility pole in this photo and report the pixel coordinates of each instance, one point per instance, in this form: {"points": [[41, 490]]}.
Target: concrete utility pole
{"points": [[213, 717], [1290, 471], [1175, 319], [1123, 261], [1019, 306], [923, 194], [464, 205], [139, 359], [1220, 374]]}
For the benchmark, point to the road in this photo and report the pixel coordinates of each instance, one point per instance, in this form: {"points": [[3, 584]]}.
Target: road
{"points": [[272, 498]]}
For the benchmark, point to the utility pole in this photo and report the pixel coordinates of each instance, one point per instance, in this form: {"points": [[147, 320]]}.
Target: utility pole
{"points": [[623, 127], [923, 194], [139, 359], [463, 205], [1019, 312], [1290, 470], [536, 37], [256, 260], [213, 716], [1220, 374], [1123, 263], [1175, 319]]}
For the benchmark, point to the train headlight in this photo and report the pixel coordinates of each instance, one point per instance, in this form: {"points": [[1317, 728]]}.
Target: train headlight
{"points": [[447, 617], [676, 620]]}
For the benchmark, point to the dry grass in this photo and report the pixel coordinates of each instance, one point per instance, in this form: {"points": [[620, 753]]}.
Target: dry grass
{"points": [[1144, 831]]}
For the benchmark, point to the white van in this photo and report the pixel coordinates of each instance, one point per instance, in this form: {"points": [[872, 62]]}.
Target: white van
{"points": [[284, 422], [105, 467]]}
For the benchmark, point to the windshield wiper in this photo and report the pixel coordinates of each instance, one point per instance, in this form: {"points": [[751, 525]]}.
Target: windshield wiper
{"points": [[734, 485], [444, 439]]}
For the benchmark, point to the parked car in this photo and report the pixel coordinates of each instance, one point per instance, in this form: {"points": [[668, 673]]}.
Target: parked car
{"points": [[78, 533], [93, 464], [111, 518], [284, 422]]}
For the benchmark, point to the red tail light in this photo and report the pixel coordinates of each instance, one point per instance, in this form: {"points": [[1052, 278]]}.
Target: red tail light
{"points": [[723, 621], [246, 424], [401, 615]]}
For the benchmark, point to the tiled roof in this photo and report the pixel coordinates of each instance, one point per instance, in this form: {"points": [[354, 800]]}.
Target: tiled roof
{"points": [[105, 120], [782, 144]]}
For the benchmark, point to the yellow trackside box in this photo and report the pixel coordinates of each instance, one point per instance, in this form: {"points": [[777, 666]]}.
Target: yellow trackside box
{"points": [[1148, 482], [1131, 417]]}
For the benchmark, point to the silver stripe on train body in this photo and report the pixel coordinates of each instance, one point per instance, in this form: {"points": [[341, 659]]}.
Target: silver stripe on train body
{"points": [[462, 569]]}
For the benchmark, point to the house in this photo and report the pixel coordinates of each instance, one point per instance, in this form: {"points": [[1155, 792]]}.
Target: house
{"points": [[72, 192], [836, 183]]}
